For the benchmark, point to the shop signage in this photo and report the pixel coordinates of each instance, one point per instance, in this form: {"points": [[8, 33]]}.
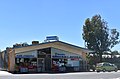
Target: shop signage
{"points": [[57, 55], [52, 38], [24, 56], [28, 54]]}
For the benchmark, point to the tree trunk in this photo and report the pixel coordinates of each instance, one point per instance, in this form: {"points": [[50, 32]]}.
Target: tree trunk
{"points": [[111, 56], [100, 57]]}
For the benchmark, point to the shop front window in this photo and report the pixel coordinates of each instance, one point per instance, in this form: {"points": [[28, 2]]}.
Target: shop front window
{"points": [[26, 64], [59, 64]]}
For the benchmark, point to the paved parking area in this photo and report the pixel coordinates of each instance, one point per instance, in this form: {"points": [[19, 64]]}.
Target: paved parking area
{"points": [[77, 75]]}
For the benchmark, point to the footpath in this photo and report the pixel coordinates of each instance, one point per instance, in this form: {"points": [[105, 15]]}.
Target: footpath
{"points": [[5, 73]]}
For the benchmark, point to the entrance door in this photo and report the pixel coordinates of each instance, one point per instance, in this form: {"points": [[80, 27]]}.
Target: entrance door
{"points": [[40, 65]]}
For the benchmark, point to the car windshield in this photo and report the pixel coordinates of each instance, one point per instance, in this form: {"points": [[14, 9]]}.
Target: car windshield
{"points": [[100, 64]]}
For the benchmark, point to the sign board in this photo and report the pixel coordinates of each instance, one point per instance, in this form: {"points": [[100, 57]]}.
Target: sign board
{"points": [[52, 38], [28, 54], [24, 56], [56, 53]]}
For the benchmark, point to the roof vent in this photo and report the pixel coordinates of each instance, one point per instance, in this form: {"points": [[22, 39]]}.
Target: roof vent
{"points": [[35, 42], [20, 45]]}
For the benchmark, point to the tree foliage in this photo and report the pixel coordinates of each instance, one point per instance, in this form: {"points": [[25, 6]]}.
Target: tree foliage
{"points": [[98, 36]]}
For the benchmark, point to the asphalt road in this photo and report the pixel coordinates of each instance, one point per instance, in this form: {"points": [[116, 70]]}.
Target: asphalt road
{"points": [[80, 75]]}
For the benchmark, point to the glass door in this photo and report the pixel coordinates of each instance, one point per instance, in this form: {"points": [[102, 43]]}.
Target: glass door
{"points": [[40, 65]]}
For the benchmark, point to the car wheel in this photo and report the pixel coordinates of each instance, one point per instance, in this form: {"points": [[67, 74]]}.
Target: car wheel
{"points": [[116, 70], [98, 71], [104, 70]]}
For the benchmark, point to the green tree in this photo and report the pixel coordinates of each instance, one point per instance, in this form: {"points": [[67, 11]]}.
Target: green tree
{"points": [[98, 36]]}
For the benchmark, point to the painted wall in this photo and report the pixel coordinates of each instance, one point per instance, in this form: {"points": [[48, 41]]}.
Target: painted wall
{"points": [[11, 60]]}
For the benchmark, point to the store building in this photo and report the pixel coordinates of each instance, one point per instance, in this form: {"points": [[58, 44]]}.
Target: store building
{"points": [[55, 56]]}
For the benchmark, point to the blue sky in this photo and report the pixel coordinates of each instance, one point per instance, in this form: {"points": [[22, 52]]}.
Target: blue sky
{"points": [[28, 20]]}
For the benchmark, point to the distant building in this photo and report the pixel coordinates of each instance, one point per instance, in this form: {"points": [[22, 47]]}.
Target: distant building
{"points": [[4, 58]]}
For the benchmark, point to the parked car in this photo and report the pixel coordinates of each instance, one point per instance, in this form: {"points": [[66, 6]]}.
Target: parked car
{"points": [[105, 66]]}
